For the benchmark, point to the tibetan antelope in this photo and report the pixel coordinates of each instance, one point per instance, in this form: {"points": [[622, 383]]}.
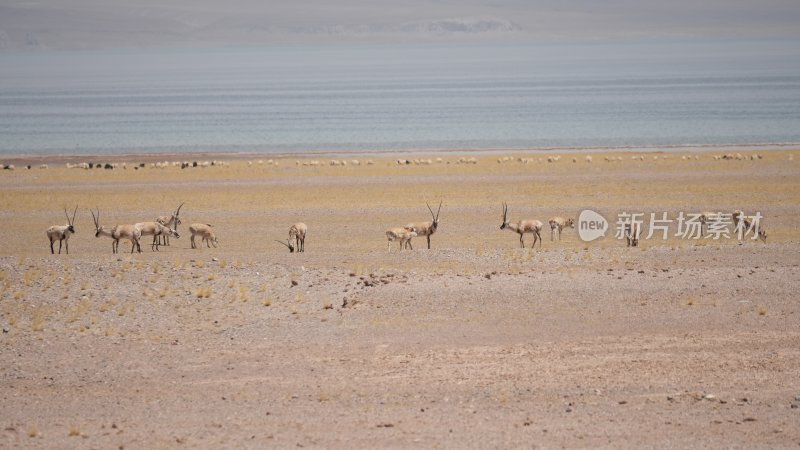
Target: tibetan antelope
{"points": [[427, 228], [298, 232], [707, 217], [129, 232], [747, 223], [61, 233], [557, 224], [155, 229], [523, 226], [402, 235], [117, 233], [632, 232], [170, 222], [205, 231]]}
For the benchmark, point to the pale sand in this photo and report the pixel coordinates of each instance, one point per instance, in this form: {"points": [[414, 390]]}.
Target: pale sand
{"points": [[473, 344]]}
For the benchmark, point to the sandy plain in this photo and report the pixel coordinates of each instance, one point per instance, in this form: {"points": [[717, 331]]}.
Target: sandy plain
{"points": [[475, 343]]}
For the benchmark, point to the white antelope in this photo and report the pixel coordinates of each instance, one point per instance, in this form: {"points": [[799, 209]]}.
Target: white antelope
{"points": [[523, 226], [117, 233], [100, 230], [427, 228], [61, 233], [155, 229], [170, 222], [557, 224], [205, 231], [401, 234], [298, 232]]}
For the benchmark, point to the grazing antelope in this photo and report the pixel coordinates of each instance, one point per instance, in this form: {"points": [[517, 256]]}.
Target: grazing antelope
{"points": [[205, 231], [557, 224], [61, 233], [170, 222], [401, 234], [523, 226], [427, 228], [298, 232], [632, 232], [155, 229], [288, 245], [165, 232]]}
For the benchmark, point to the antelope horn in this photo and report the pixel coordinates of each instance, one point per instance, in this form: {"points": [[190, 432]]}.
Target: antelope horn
{"points": [[66, 214], [178, 211], [429, 209], [284, 243], [73, 215], [97, 218], [438, 210]]}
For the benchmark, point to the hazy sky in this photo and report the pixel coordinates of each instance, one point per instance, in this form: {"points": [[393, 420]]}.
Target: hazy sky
{"points": [[144, 23]]}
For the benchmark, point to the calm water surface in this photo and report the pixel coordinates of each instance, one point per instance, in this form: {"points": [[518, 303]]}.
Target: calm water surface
{"points": [[291, 99]]}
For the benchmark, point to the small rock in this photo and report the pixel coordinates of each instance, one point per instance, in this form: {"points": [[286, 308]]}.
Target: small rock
{"points": [[294, 283], [215, 259], [710, 397], [797, 397]]}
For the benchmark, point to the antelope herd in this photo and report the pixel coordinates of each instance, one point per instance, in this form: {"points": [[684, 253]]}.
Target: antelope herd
{"points": [[164, 227]]}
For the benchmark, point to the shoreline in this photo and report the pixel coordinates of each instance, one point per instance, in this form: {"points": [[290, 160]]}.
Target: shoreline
{"points": [[147, 157]]}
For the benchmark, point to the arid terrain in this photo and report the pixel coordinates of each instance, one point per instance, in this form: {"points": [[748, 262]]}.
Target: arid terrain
{"points": [[475, 343]]}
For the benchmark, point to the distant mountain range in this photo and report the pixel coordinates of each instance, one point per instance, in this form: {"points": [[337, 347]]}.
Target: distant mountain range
{"points": [[27, 27], [91, 24]]}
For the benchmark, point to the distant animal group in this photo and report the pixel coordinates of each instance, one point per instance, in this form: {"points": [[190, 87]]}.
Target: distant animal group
{"points": [[164, 227], [403, 235]]}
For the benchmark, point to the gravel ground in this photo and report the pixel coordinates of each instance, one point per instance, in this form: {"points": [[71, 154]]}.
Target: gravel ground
{"points": [[473, 344]]}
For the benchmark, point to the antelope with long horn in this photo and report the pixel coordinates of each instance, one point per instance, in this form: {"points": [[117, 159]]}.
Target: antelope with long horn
{"points": [[523, 226], [61, 233], [427, 228], [117, 233], [170, 222], [298, 232]]}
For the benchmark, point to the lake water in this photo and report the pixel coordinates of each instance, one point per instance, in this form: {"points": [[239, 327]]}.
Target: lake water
{"points": [[365, 98]]}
